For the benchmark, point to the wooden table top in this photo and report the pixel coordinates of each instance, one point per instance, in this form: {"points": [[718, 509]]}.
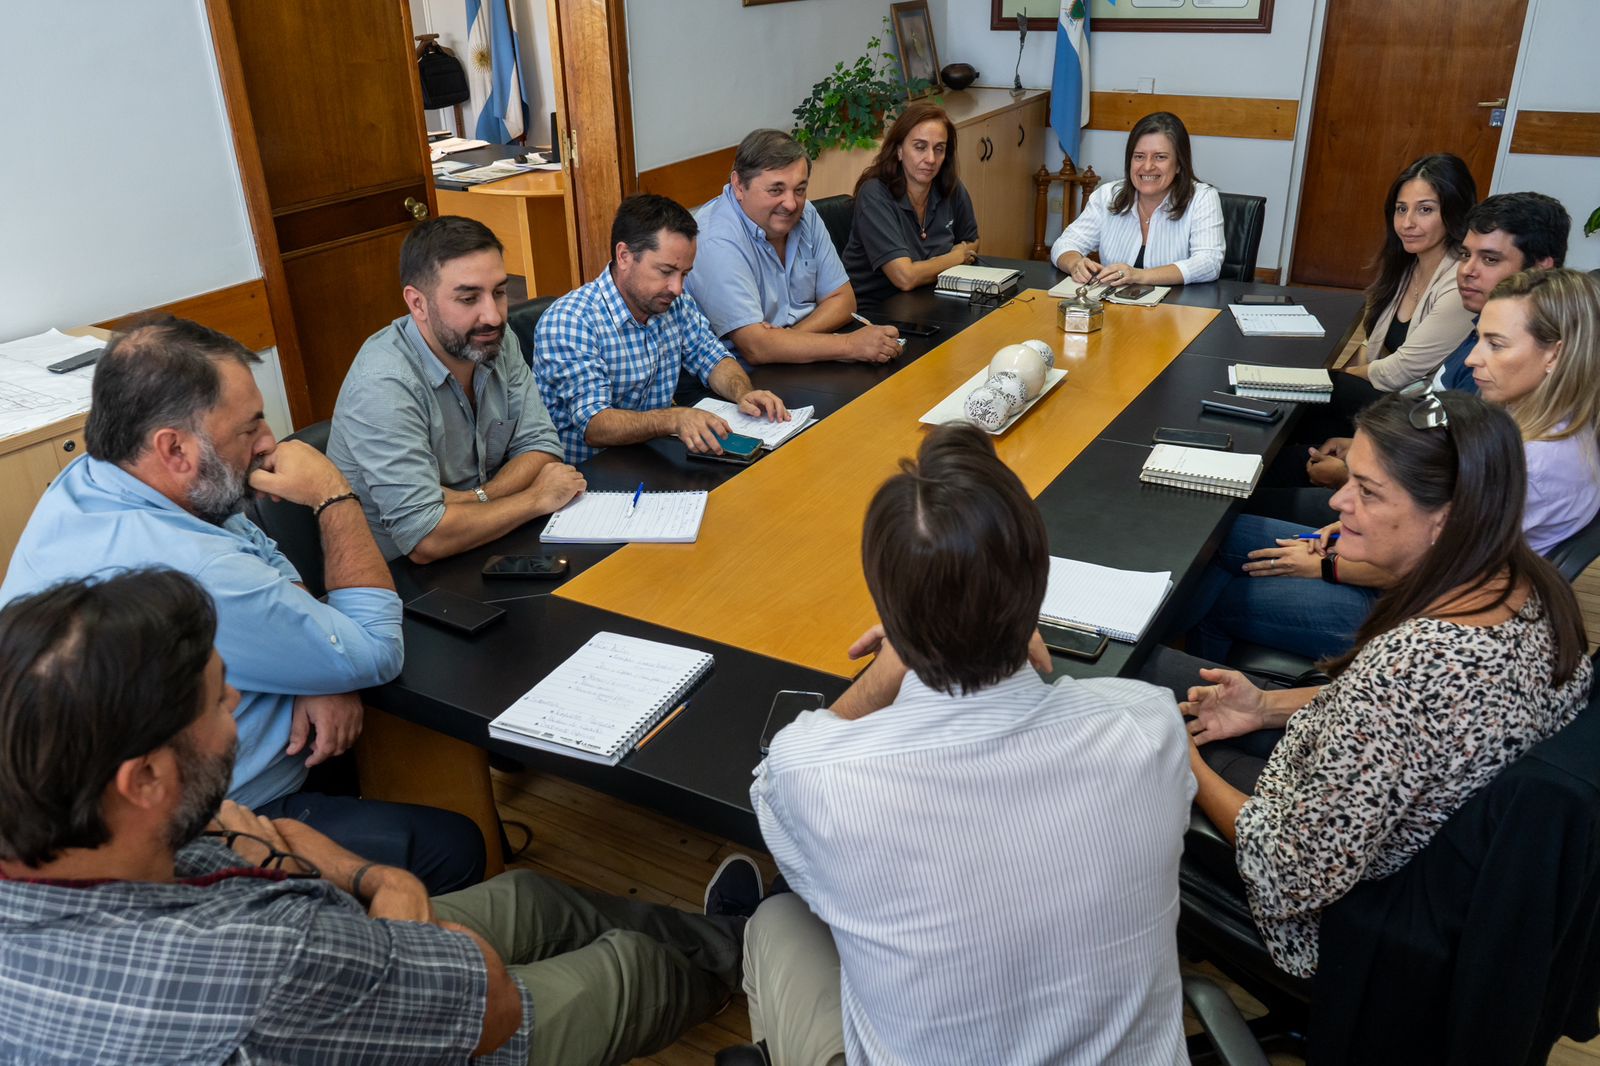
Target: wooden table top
{"points": [[801, 597]]}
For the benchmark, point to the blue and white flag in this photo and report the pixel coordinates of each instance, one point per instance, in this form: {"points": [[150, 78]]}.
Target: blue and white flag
{"points": [[493, 59], [1069, 87]]}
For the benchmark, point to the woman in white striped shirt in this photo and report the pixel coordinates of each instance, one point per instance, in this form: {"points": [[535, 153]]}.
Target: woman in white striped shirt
{"points": [[1158, 226]]}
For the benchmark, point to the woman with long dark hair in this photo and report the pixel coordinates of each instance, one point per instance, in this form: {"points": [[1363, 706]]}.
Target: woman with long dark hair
{"points": [[1476, 654], [913, 217], [1160, 225], [1414, 318]]}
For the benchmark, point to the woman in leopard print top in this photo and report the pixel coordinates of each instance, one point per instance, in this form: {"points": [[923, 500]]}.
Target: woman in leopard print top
{"points": [[1475, 656]]}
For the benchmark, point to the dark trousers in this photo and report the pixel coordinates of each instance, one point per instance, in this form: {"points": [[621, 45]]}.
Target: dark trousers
{"points": [[443, 849]]}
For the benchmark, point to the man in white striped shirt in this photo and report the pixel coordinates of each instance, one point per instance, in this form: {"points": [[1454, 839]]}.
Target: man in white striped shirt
{"points": [[985, 866]]}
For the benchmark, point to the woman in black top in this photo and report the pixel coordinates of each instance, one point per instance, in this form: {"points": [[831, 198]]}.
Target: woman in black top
{"points": [[913, 216]]}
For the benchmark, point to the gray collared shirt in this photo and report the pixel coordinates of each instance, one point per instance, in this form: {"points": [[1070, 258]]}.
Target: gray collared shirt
{"points": [[404, 430]]}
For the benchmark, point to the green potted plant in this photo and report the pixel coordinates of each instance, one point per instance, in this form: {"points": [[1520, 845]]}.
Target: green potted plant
{"points": [[1593, 224], [848, 108]]}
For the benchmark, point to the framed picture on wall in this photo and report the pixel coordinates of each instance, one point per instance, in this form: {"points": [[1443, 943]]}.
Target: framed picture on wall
{"points": [[1151, 16], [913, 32]]}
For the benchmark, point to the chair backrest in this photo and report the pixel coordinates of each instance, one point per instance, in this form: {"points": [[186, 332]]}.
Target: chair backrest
{"points": [[1573, 555], [1243, 218], [523, 318], [294, 527], [838, 214]]}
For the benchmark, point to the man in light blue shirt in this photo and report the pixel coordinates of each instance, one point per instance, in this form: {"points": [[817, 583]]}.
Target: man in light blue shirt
{"points": [[767, 275], [439, 425], [176, 438], [608, 354]]}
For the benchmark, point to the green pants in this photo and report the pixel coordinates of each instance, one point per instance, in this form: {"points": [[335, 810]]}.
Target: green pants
{"points": [[611, 979]]}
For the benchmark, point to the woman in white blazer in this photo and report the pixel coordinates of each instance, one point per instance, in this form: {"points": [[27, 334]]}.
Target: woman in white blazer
{"points": [[1157, 226], [1414, 317]]}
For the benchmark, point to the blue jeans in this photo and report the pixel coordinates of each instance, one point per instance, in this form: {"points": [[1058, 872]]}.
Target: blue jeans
{"points": [[1305, 616]]}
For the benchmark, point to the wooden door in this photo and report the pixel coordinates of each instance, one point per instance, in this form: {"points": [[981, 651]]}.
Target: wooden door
{"points": [[589, 46], [1397, 81], [327, 112]]}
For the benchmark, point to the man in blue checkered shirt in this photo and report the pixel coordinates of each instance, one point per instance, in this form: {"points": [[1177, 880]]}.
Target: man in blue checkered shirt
{"points": [[607, 355], [127, 936]]}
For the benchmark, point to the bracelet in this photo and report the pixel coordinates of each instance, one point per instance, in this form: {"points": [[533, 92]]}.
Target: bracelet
{"points": [[316, 512], [355, 882]]}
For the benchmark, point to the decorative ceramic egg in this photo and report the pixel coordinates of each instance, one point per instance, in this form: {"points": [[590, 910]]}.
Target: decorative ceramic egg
{"points": [[1025, 362], [1043, 349], [1008, 384], [987, 407]]}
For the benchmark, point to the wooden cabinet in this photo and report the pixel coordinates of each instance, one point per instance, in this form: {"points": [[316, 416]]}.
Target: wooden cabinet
{"points": [[28, 463], [1000, 143]]}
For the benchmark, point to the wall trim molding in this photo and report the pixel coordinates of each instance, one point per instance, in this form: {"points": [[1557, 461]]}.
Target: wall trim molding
{"points": [[1205, 116], [1556, 133], [240, 311]]}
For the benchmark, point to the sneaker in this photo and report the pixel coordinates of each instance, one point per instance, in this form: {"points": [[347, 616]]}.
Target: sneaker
{"points": [[735, 889]]}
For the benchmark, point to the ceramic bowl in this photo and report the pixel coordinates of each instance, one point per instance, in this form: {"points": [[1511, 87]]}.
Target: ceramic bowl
{"points": [[958, 76]]}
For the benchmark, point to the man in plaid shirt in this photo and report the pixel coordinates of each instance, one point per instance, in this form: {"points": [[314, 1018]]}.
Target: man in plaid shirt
{"points": [[127, 936], [607, 355]]}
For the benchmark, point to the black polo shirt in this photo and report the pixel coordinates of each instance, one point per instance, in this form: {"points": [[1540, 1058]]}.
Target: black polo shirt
{"points": [[886, 228]]}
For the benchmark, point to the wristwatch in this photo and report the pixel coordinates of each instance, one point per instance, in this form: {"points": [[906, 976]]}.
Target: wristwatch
{"points": [[1330, 569], [483, 497]]}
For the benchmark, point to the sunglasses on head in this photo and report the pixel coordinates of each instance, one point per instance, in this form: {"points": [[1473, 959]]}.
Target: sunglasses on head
{"points": [[1430, 413]]}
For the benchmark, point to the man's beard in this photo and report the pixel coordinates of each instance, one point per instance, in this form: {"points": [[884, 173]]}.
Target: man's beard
{"points": [[205, 780], [219, 489], [479, 349]]}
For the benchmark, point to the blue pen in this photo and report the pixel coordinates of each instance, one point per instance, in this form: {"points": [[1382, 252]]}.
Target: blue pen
{"points": [[1315, 536], [636, 494]]}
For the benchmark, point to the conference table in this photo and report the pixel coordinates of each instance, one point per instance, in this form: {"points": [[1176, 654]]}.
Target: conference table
{"points": [[773, 586]]}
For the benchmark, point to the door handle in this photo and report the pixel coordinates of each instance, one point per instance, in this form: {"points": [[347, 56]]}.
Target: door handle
{"points": [[1493, 103], [418, 209], [1022, 135], [988, 149]]}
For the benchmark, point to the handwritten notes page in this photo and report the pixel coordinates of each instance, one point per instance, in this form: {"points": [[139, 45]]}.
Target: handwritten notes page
{"points": [[771, 434], [597, 704], [604, 518]]}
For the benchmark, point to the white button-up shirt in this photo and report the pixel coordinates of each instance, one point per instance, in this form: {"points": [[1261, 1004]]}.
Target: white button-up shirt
{"points": [[1193, 243], [999, 870]]}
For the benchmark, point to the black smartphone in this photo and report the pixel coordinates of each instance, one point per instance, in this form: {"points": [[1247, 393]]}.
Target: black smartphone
{"points": [[1078, 643], [1276, 299], [1131, 292], [73, 362], [736, 448], [453, 612], [786, 707], [1226, 403], [1193, 438], [536, 566], [911, 329]]}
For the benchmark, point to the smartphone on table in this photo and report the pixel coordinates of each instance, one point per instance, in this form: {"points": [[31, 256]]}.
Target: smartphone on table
{"points": [[786, 707], [1193, 438], [1083, 644], [736, 448], [539, 567]]}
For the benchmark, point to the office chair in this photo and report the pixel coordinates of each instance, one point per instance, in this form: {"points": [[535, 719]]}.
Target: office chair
{"points": [[1465, 955], [293, 526], [838, 214], [523, 317], [1243, 218]]}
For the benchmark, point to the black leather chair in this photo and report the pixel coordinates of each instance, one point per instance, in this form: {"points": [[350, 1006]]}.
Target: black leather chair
{"points": [[1243, 218], [838, 214], [293, 526], [522, 319]]}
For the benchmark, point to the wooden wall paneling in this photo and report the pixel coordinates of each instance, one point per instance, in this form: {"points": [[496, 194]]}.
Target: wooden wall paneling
{"points": [[258, 206], [1557, 133], [1204, 116], [241, 311], [693, 181]]}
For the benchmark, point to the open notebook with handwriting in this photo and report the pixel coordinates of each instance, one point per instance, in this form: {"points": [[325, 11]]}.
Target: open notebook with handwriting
{"points": [[608, 694]]}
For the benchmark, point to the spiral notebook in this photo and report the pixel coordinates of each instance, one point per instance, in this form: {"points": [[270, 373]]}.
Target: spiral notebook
{"points": [[611, 518], [1202, 469], [597, 704], [1117, 603], [1281, 383]]}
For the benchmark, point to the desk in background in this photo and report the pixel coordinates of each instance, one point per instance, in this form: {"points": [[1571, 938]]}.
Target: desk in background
{"points": [[527, 212]]}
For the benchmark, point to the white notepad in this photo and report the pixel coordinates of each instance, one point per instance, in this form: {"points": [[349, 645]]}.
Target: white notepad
{"points": [[1202, 469], [603, 518], [1117, 603], [771, 434], [1069, 287], [1281, 383], [597, 704], [1267, 320]]}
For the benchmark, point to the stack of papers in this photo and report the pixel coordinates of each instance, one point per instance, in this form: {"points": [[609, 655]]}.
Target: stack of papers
{"points": [[1281, 383], [1202, 469], [611, 518], [31, 396], [1116, 603], [500, 168], [770, 434], [1267, 320], [439, 149]]}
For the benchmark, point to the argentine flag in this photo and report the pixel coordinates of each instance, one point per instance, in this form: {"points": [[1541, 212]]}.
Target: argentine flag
{"points": [[492, 75], [1069, 88]]}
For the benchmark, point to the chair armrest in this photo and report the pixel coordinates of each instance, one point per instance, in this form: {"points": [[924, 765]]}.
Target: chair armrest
{"points": [[1224, 1026]]}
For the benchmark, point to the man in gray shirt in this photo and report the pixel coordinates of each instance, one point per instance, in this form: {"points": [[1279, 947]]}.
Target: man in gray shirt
{"points": [[439, 425]]}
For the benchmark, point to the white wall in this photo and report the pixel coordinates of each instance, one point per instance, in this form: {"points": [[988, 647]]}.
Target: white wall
{"points": [[707, 72], [448, 18], [121, 189], [1556, 71], [1266, 65]]}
